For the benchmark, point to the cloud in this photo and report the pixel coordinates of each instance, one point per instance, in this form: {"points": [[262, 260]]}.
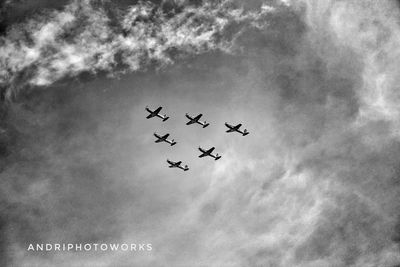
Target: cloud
{"points": [[89, 36], [315, 183]]}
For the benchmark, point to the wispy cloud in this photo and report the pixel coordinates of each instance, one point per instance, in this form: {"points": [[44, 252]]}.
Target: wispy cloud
{"points": [[85, 37]]}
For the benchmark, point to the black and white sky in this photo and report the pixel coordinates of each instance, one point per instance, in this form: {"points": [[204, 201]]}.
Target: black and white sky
{"points": [[316, 182]]}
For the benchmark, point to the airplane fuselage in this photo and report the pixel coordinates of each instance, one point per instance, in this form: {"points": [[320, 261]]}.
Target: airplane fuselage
{"points": [[183, 168], [156, 113], [177, 165], [171, 142], [198, 121], [236, 129], [163, 117], [207, 153], [166, 140], [202, 123]]}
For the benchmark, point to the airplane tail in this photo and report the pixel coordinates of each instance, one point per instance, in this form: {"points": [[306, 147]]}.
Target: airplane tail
{"points": [[165, 118], [245, 132], [217, 157], [205, 124], [186, 168], [173, 142]]}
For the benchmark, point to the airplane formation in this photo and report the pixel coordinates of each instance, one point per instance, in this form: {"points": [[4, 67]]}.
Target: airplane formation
{"points": [[192, 120]]}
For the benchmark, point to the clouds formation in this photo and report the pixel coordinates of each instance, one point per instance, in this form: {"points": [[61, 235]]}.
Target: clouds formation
{"points": [[93, 36], [315, 183]]}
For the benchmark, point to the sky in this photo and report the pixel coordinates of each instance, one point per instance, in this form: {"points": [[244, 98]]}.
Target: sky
{"points": [[315, 183]]}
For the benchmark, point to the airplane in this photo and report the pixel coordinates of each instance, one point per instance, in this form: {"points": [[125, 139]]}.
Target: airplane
{"points": [[209, 153], [156, 113], [177, 164], [164, 139], [236, 129], [196, 120]]}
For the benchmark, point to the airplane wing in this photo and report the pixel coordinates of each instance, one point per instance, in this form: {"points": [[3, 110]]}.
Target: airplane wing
{"points": [[157, 110], [190, 122], [203, 155], [158, 141], [230, 128], [210, 150], [173, 164], [151, 115], [237, 126], [165, 136], [197, 117]]}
